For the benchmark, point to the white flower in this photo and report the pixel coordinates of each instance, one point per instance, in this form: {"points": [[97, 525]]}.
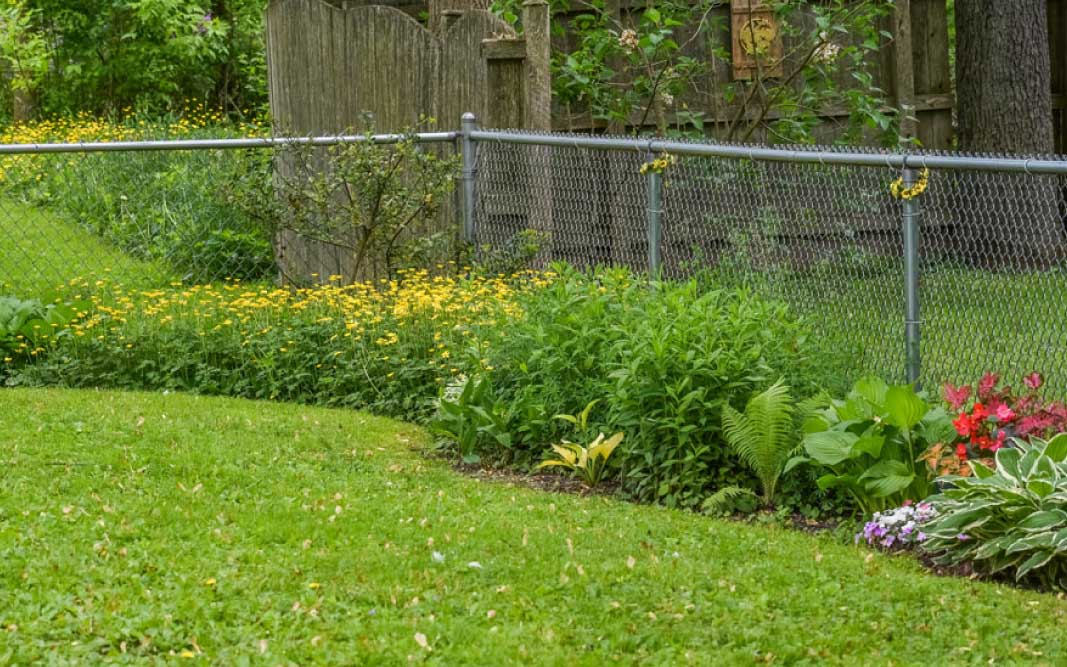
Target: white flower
{"points": [[438, 557]]}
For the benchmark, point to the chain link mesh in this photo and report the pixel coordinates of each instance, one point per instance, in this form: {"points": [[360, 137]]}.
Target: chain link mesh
{"points": [[142, 219], [826, 239]]}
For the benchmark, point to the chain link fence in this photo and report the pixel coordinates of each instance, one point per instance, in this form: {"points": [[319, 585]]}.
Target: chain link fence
{"points": [[150, 214], [816, 228]]}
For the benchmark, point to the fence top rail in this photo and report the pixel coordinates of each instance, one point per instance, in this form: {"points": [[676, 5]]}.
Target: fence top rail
{"points": [[220, 144], [768, 154]]}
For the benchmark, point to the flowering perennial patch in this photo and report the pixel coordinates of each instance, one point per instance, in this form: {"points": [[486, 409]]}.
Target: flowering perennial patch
{"points": [[898, 528]]}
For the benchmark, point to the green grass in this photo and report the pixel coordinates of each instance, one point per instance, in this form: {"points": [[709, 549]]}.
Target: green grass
{"points": [[972, 321], [40, 250], [118, 510]]}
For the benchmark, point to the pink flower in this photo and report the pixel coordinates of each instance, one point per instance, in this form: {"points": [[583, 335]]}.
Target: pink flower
{"points": [[1004, 413], [1033, 380], [956, 396]]}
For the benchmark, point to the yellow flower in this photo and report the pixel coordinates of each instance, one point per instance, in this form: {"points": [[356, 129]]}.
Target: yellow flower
{"points": [[314, 585]]}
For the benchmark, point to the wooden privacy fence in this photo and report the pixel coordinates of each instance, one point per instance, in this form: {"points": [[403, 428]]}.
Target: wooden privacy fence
{"points": [[375, 67]]}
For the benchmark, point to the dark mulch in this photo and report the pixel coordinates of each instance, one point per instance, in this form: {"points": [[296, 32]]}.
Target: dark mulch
{"points": [[545, 481]]}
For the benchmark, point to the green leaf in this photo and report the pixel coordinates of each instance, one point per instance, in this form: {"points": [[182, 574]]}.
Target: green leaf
{"points": [[794, 462], [903, 407], [1038, 541], [1040, 559], [1043, 520], [1056, 448], [1007, 459], [869, 444], [830, 447], [1039, 487], [888, 477], [981, 470], [873, 389]]}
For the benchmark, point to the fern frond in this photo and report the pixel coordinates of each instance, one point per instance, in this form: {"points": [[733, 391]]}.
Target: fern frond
{"points": [[763, 436], [722, 501]]}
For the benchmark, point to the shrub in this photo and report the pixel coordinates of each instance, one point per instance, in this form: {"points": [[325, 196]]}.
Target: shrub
{"points": [[1009, 520], [664, 358]]}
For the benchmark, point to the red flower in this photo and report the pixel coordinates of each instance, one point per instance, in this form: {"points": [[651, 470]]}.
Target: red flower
{"points": [[979, 413], [964, 424], [956, 396], [1033, 380], [986, 385], [961, 452]]}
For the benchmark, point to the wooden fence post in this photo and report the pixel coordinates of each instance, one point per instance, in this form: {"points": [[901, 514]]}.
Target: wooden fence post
{"points": [[904, 67], [505, 102], [536, 20]]}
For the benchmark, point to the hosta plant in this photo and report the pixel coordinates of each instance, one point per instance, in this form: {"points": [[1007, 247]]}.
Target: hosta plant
{"points": [[869, 443], [1010, 520], [590, 463]]}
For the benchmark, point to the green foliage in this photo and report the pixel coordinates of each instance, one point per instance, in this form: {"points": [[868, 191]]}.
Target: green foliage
{"points": [[869, 444], [107, 56], [764, 435], [638, 70], [1009, 520], [729, 499], [24, 52], [516, 254], [471, 418], [590, 463], [378, 205], [164, 207], [30, 328], [664, 360]]}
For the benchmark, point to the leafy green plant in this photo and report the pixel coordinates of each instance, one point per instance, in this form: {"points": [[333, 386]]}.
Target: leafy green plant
{"points": [[375, 205], [662, 362], [588, 463], [26, 324], [644, 68], [470, 418], [1009, 520], [763, 436], [869, 444], [580, 420]]}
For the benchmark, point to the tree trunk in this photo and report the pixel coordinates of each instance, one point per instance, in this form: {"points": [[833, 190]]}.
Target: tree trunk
{"points": [[1003, 76], [1004, 105]]}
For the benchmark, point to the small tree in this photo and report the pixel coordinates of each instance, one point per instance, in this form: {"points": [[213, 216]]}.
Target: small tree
{"points": [[376, 208]]}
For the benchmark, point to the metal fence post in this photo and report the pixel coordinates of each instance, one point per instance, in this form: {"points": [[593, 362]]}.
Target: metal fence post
{"points": [[655, 222], [912, 211], [468, 125]]}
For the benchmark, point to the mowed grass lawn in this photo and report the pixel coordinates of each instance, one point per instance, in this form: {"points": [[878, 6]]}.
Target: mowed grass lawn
{"points": [[40, 250], [160, 529]]}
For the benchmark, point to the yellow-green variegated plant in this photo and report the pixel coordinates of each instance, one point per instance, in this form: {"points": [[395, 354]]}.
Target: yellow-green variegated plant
{"points": [[588, 463]]}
